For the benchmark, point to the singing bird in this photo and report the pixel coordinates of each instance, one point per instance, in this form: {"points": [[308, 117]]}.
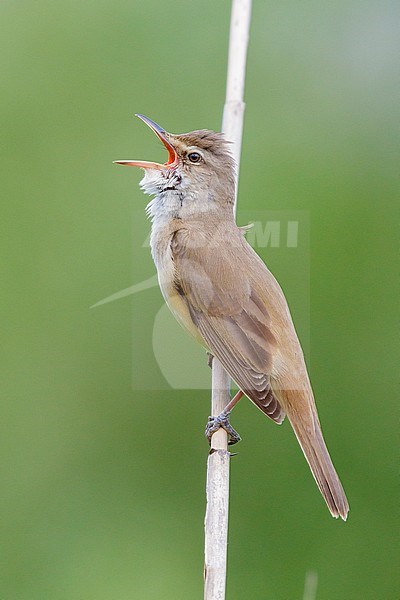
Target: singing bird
{"points": [[220, 290]]}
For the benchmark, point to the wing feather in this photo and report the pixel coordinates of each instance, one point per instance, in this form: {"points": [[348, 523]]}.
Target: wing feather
{"points": [[230, 316]]}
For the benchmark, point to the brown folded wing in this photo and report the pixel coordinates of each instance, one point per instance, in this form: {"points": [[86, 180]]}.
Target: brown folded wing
{"points": [[230, 316]]}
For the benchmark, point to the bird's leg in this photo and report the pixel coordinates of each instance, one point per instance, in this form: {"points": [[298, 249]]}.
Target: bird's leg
{"points": [[210, 359], [222, 420]]}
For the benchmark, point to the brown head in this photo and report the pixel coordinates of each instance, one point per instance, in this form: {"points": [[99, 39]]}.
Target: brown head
{"points": [[200, 170]]}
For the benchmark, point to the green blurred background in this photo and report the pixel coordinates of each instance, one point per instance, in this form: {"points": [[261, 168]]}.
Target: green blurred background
{"points": [[103, 477]]}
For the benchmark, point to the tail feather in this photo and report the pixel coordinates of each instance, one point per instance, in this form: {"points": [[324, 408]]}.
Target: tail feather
{"points": [[313, 445]]}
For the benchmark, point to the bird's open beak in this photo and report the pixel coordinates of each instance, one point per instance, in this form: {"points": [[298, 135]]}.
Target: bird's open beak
{"points": [[161, 134]]}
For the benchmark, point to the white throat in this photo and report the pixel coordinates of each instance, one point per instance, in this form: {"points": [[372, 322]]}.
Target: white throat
{"points": [[174, 197]]}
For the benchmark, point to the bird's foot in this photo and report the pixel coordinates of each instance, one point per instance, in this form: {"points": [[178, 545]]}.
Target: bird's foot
{"points": [[210, 359], [215, 423]]}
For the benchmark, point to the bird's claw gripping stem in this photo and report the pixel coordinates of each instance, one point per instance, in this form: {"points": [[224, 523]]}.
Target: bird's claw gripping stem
{"points": [[215, 423]]}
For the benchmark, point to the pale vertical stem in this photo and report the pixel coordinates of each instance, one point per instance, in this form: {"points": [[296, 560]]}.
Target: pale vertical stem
{"points": [[310, 586], [217, 490], [232, 120], [216, 520]]}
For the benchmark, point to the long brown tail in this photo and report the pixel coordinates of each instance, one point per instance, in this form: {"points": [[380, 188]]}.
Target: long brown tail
{"points": [[313, 445]]}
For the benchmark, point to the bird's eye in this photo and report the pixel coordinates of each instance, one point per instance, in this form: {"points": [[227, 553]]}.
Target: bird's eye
{"points": [[194, 157]]}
